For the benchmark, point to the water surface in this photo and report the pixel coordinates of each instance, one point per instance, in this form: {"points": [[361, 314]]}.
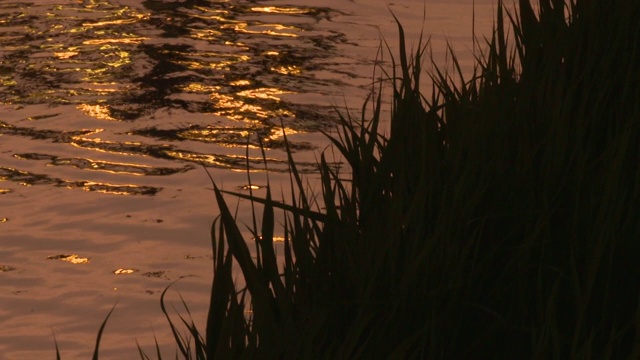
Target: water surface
{"points": [[110, 111]]}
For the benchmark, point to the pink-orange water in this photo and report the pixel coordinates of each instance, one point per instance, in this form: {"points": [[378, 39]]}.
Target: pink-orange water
{"points": [[108, 108]]}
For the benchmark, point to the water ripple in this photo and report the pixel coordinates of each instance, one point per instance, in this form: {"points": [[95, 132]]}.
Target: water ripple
{"points": [[117, 70]]}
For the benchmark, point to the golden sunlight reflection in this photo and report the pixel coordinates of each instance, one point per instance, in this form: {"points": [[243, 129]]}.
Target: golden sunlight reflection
{"points": [[131, 40], [206, 34], [199, 88], [240, 83], [200, 158], [94, 73], [63, 55], [217, 18], [212, 135], [137, 17], [4, 219], [210, 10], [275, 238], [231, 162], [264, 93], [125, 65], [242, 28], [96, 111], [100, 145], [287, 70], [277, 133], [241, 111], [279, 10], [125, 271], [123, 58], [73, 258], [102, 88], [7, 82], [106, 188], [107, 166], [226, 101], [251, 187], [220, 65]]}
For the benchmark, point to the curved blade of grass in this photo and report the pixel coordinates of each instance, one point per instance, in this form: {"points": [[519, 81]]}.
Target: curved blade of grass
{"points": [[180, 341], [222, 290], [313, 215], [143, 355], [256, 283], [99, 337], [56, 344], [198, 343]]}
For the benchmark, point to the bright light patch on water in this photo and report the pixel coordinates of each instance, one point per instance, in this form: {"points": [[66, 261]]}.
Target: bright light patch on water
{"points": [[279, 10], [251, 187], [240, 83], [125, 271], [65, 55], [132, 40], [200, 88], [270, 29], [97, 111], [264, 93], [287, 70], [73, 258]]}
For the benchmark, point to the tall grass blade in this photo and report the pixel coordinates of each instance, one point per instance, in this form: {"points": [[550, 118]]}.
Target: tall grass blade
{"points": [[498, 219], [55, 342], [100, 331]]}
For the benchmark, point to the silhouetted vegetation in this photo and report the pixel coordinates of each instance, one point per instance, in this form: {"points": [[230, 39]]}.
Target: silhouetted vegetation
{"points": [[499, 219]]}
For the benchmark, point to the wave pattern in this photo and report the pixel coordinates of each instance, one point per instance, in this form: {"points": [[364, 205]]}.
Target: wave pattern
{"points": [[182, 82]]}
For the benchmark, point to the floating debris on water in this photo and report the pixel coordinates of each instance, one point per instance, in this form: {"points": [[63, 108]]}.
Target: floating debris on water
{"points": [[155, 274], [274, 238], [125, 271], [251, 187], [73, 258], [6, 268]]}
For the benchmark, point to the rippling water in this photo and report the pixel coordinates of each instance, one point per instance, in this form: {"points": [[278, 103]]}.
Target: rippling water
{"points": [[109, 109], [163, 80]]}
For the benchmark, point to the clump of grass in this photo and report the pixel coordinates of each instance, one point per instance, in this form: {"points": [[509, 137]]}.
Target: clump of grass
{"points": [[500, 218]]}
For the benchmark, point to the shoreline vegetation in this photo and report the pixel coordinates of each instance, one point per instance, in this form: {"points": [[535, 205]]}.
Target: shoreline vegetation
{"points": [[499, 219]]}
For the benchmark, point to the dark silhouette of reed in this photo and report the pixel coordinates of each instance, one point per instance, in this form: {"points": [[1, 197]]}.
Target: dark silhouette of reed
{"points": [[499, 219]]}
